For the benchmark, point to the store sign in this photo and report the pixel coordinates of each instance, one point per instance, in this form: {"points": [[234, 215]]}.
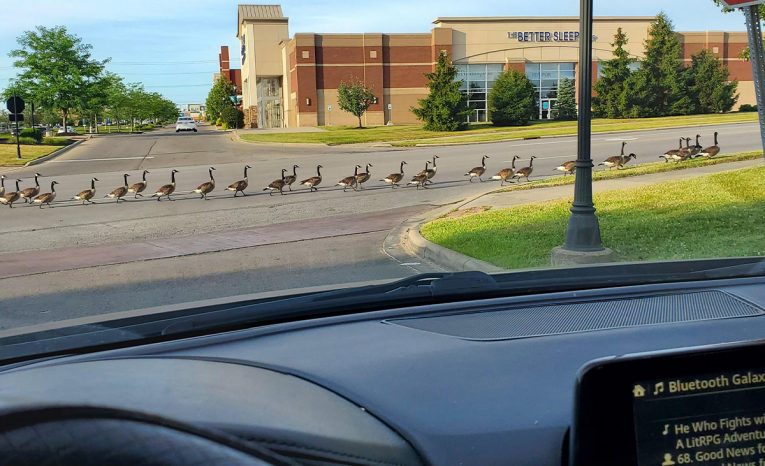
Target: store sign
{"points": [[740, 3], [546, 36]]}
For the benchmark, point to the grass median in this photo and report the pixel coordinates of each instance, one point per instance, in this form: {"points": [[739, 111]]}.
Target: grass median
{"points": [[28, 153], [410, 135], [717, 215]]}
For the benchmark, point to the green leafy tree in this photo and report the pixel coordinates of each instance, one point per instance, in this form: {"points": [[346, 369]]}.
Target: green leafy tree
{"points": [[565, 108], [512, 100], [658, 87], [219, 98], [610, 86], [445, 108], [355, 98], [709, 84], [232, 117], [56, 67]]}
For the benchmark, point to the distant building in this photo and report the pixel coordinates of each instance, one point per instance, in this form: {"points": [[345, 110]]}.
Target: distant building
{"points": [[293, 82], [195, 111]]}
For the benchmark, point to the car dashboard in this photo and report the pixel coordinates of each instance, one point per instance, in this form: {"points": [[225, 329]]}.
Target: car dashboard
{"points": [[483, 382]]}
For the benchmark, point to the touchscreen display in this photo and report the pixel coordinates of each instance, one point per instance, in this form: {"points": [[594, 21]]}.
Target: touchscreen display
{"points": [[711, 419]]}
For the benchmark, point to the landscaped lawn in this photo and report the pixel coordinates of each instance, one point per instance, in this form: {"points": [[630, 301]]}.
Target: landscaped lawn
{"points": [[409, 135], [711, 216], [28, 153]]}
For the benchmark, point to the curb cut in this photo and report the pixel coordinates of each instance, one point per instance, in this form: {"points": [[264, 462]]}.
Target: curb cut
{"points": [[55, 154], [407, 238]]}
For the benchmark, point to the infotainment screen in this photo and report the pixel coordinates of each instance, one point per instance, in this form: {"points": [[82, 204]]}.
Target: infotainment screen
{"points": [[709, 419], [699, 406]]}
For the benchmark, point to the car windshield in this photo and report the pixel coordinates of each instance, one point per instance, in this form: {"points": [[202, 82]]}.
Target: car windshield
{"points": [[158, 154]]}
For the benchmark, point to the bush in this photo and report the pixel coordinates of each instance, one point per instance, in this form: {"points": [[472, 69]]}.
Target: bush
{"points": [[747, 108], [224, 125], [232, 117], [32, 133], [512, 100], [25, 140], [218, 121], [56, 141]]}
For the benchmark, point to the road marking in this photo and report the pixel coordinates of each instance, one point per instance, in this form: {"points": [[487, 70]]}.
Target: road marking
{"points": [[99, 160], [409, 263], [620, 139]]}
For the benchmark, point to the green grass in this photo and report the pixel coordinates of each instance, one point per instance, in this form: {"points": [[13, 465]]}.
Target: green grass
{"points": [[410, 135], [28, 153], [717, 215], [635, 170]]}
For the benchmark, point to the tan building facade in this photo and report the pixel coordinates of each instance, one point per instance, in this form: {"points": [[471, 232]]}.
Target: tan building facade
{"points": [[291, 82]]}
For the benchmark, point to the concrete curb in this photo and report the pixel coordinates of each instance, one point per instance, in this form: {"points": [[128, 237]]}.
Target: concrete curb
{"points": [[56, 153], [407, 238]]}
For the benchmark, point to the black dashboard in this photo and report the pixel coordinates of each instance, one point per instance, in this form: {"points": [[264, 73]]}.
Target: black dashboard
{"points": [[484, 382]]}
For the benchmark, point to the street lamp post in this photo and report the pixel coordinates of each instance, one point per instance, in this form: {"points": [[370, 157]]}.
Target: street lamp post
{"points": [[756, 56], [583, 244]]}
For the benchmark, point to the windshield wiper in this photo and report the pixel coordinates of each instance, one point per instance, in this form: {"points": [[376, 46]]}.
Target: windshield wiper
{"points": [[431, 288]]}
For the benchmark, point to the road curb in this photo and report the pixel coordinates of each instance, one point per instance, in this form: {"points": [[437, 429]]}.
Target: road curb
{"points": [[407, 238], [56, 153]]}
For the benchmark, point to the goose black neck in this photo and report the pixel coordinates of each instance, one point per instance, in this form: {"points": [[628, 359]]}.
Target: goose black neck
{"points": [[294, 170], [483, 161], [172, 177], [211, 177], [401, 170], [53, 186], [356, 170], [125, 177], [92, 184], [318, 171], [17, 186], [434, 161], [2, 182], [144, 175], [245, 172], [715, 137], [36, 182]]}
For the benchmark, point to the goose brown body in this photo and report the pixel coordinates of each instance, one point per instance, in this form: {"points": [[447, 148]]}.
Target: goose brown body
{"points": [[350, 181], [168, 189], [207, 187], [29, 193], [313, 181], [139, 187], [241, 185], [506, 173], [289, 179], [88, 194], [47, 198], [477, 172], [395, 178], [525, 172], [10, 197], [567, 167], [119, 192], [670, 154], [711, 151], [362, 178], [277, 185]]}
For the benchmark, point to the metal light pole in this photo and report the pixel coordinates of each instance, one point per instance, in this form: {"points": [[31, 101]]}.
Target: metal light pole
{"points": [[756, 56], [583, 231]]}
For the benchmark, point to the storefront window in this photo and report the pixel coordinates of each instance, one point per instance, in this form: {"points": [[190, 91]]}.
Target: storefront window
{"points": [[477, 81], [546, 78]]}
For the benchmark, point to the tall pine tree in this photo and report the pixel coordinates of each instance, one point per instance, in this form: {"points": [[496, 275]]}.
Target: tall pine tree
{"points": [[445, 108], [565, 107], [708, 84], [658, 87], [610, 86]]}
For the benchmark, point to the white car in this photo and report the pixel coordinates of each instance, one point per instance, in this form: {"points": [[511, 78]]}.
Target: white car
{"points": [[185, 124], [68, 130]]}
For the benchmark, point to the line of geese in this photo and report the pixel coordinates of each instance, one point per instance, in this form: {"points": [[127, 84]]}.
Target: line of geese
{"points": [[356, 181]]}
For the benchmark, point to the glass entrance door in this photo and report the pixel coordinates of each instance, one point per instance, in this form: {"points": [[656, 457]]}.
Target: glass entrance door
{"points": [[545, 108]]}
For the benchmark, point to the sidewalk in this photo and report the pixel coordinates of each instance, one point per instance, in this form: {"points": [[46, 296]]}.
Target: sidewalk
{"points": [[415, 244]]}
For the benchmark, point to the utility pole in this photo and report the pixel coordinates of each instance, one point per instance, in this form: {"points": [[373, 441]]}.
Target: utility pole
{"points": [[583, 244]]}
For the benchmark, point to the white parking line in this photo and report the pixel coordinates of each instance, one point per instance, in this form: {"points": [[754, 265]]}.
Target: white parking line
{"points": [[620, 139], [100, 160]]}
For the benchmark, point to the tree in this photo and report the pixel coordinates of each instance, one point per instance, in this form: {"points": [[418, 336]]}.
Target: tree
{"points": [[609, 87], [56, 67], [657, 88], [565, 108], [445, 108], [355, 98], [708, 84], [219, 98], [232, 117], [512, 100]]}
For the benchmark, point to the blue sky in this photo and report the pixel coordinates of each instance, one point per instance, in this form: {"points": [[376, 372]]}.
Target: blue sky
{"points": [[172, 45]]}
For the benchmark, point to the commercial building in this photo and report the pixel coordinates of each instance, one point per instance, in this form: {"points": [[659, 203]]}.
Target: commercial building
{"points": [[293, 81]]}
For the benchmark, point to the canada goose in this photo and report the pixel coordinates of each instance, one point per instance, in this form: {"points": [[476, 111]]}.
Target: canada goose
{"points": [[167, 189], [11, 197], [525, 172], [277, 185], [685, 152], [478, 171], [395, 178], [138, 188], [421, 178], [240, 185], [289, 179], [506, 173], [2, 185], [207, 187], [567, 167], [350, 181], [696, 148], [673, 152], [119, 192], [47, 198], [431, 172], [29, 193], [313, 181], [362, 178], [87, 195], [616, 160], [711, 151]]}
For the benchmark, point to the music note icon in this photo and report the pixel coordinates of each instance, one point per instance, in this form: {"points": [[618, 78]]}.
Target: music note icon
{"points": [[666, 429], [658, 388]]}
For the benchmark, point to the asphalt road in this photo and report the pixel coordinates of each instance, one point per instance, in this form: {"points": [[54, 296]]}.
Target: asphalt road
{"points": [[320, 238]]}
